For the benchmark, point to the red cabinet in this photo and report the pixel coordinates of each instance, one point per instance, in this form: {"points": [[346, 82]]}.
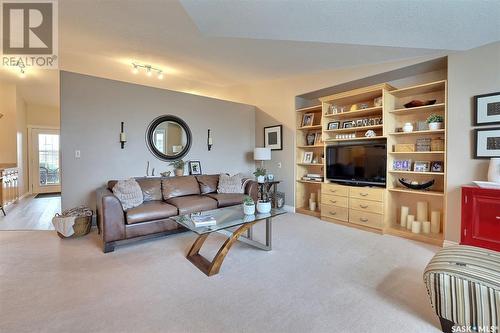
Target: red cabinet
{"points": [[481, 217]]}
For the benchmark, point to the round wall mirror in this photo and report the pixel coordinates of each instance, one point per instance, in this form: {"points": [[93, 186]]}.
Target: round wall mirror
{"points": [[168, 138]]}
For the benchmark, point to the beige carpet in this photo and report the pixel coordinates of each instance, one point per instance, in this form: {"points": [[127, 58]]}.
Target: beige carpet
{"points": [[320, 277]]}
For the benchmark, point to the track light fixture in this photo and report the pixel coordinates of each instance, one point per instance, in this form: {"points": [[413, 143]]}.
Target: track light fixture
{"points": [[150, 70]]}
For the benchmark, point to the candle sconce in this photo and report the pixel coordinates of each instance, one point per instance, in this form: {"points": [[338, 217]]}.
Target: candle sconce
{"points": [[123, 137], [209, 141]]}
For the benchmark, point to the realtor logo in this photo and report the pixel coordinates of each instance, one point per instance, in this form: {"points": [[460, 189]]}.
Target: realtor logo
{"points": [[29, 33]]}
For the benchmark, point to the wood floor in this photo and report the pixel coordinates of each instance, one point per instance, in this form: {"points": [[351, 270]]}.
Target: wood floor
{"points": [[31, 214]]}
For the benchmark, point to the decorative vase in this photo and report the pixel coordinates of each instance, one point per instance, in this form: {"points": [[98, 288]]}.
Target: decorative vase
{"points": [[263, 207], [261, 179], [494, 170], [408, 127], [179, 172], [249, 209], [435, 126]]}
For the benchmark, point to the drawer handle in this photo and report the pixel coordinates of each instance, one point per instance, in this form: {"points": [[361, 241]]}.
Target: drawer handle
{"points": [[363, 194], [333, 191], [363, 219], [333, 213], [363, 206], [333, 201]]}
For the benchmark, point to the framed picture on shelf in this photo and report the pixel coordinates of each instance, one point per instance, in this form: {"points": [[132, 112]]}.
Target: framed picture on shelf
{"points": [[422, 166], [333, 125], [194, 167], [359, 122], [437, 166], [487, 142], [308, 157], [317, 138], [310, 138], [307, 119], [487, 109], [273, 138], [401, 165], [347, 124]]}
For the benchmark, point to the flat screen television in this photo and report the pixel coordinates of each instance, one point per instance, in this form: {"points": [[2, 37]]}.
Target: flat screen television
{"points": [[357, 164]]}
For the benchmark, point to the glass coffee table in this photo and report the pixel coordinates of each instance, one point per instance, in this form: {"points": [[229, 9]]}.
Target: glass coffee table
{"points": [[228, 217]]}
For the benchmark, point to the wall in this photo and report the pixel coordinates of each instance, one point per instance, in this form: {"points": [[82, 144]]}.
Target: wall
{"points": [[470, 73], [43, 116], [22, 144], [8, 124], [92, 109]]}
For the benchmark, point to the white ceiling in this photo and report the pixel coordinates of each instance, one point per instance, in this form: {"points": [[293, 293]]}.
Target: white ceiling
{"points": [[207, 45]]}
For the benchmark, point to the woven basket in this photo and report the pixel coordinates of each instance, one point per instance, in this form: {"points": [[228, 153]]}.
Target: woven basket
{"points": [[81, 227]]}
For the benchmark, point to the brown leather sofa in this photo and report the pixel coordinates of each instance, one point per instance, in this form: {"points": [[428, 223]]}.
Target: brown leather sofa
{"points": [[163, 199]]}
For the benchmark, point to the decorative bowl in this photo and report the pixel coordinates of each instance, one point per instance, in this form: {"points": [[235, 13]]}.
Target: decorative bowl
{"points": [[416, 103], [407, 183]]}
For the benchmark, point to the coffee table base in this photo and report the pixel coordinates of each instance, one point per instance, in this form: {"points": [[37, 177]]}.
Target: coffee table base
{"points": [[212, 267]]}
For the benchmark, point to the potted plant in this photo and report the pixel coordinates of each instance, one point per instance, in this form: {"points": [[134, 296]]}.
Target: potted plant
{"points": [[248, 205], [435, 122], [260, 174], [264, 203], [178, 167]]}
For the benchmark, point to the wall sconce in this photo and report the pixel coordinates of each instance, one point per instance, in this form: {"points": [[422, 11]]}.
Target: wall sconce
{"points": [[123, 137], [209, 141]]}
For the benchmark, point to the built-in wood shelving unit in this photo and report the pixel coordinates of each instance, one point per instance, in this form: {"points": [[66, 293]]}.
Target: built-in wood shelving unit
{"points": [[426, 132]]}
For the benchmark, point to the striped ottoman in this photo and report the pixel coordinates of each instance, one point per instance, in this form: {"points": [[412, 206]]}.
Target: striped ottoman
{"points": [[463, 283]]}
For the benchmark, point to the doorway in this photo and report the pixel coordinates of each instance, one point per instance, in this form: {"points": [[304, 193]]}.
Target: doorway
{"points": [[45, 168]]}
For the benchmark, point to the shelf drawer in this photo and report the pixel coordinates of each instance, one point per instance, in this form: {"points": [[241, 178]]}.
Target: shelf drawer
{"points": [[334, 189], [367, 193], [366, 219], [367, 205], [335, 212], [335, 200]]}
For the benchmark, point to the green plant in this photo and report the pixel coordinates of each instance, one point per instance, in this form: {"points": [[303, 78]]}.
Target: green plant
{"points": [[178, 164], [247, 200], [259, 172], [435, 118]]}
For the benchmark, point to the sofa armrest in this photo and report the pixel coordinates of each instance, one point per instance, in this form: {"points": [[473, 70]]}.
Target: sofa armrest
{"points": [[111, 217], [252, 189]]}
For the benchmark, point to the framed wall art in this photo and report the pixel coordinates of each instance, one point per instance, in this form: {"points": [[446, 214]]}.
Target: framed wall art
{"points": [[487, 143], [487, 109], [273, 138]]}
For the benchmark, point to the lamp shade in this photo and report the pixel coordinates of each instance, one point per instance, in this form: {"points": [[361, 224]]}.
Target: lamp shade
{"points": [[262, 154]]}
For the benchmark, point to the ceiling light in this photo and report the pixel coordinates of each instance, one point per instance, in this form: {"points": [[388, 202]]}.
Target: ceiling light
{"points": [[149, 70], [160, 76], [135, 70]]}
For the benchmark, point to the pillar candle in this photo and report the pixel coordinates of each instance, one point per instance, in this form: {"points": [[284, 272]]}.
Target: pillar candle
{"points": [[409, 221], [313, 197], [404, 215], [435, 221], [426, 227], [415, 227], [422, 214]]}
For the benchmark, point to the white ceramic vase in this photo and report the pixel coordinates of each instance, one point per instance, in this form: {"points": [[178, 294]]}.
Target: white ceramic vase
{"points": [[435, 126], [408, 127], [263, 207], [249, 209], [179, 172], [494, 170], [261, 179]]}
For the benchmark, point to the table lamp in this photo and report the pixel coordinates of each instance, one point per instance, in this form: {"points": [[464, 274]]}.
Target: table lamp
{"points": [[262, 154]]}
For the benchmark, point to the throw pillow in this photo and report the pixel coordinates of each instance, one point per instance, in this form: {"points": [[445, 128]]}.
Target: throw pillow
{"points": [[231, 184], [129, 193]]}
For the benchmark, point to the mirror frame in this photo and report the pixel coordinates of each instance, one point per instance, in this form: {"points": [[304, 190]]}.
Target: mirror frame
{"points": [[149, 137]]}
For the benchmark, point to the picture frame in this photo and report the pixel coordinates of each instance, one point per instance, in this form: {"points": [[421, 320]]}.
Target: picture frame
{"points": [[347, 124], [307, 119], [487, 143], [437, 166], [273, 137], [308, 157], [194, 167], [359, 122], [487, 109], [317, 138], [401, 165], [333, 125], [310, 137], [422, 166]]}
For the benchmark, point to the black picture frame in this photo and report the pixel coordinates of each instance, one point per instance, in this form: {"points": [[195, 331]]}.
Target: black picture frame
{"points": [[150, 141], [476, 139], [194, 167], [333, 125], [347, 124], [279, 130], [476, 109]]}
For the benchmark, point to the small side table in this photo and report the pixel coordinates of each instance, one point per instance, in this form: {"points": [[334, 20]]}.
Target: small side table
{"points": [[269, 187]]}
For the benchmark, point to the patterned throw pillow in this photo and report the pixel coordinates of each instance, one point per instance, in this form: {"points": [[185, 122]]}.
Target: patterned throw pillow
{"points": [[231, 184], [129, 193]]}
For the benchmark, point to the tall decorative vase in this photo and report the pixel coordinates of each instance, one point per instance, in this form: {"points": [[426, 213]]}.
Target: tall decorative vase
{"points": [[494, 170]]}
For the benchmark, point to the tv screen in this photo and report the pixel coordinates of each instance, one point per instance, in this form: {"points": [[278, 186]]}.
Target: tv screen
{"points": [[360, 164]]}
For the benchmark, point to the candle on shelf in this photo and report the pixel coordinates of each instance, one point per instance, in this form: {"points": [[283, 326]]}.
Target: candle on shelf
{"points": [[422, 211], [415, 227], [426, 227], [404, 215], [435, 221], [409, 221]]}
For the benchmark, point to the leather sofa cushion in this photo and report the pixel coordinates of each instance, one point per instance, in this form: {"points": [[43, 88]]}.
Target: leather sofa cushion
{"points": [[151, 188], [149, 211], [193, 203], [179, 186], [227, 199], [208, 183]]}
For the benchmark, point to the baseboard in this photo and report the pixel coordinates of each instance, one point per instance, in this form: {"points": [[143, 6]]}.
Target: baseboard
{"points": [[449, 243], [24, 195], [289, 209]]}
